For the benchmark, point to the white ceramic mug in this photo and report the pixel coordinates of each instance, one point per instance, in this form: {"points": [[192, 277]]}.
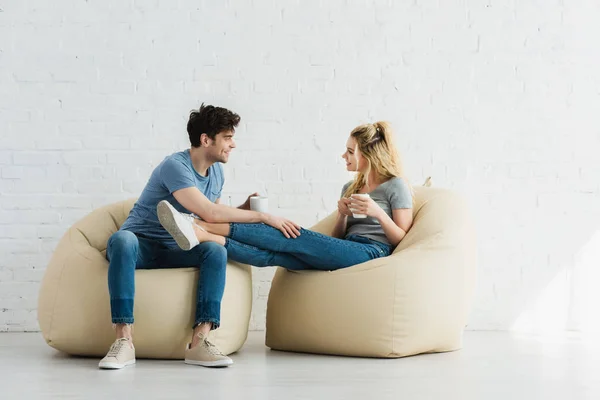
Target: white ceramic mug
{"points": [[259, 203], [359, 195]]}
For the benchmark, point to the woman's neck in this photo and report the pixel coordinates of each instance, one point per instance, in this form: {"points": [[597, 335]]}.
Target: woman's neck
{"points": [[373, 180]]}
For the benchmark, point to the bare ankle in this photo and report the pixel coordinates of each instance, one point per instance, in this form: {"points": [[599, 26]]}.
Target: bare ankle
{"points": [[201, 234], [203, 328], [123, 331], [202, 225], [204, 236]]}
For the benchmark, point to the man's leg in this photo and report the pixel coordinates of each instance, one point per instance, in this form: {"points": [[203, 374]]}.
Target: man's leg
{"points": [[211, 258], [123, 253]]}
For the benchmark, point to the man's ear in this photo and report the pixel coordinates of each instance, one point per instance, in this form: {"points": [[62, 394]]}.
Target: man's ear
{"points": [[204, 140]]}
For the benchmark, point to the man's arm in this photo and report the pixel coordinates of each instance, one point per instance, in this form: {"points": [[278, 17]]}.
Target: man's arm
{"points": [[244, 206], [178, 179], [193, 200]]}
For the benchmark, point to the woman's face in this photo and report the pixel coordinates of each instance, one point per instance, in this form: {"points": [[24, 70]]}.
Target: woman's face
{"points": [[352, 156]]}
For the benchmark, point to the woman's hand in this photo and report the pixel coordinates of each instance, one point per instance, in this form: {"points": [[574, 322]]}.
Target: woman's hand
{"points": [[365, 205], [343, 204]]}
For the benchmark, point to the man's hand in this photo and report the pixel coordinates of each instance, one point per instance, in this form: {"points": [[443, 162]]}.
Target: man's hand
{"points": [[343, 204], [246, 205], [287, 227]]}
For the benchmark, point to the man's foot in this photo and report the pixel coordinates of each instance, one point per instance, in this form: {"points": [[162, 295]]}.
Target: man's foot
{"points": [[206, 354], [121, 354], [179, 225]]}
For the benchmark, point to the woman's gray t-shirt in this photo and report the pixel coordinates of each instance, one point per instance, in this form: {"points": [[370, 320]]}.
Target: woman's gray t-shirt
{"points": [[390, 195]]}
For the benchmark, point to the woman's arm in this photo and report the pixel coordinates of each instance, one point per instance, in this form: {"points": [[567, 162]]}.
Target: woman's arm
{"points": [[339, 230], [395, 229]]}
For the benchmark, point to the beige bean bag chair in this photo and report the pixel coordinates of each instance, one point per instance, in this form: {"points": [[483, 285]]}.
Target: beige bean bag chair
{"points": [[74, 307], [415, 301]]}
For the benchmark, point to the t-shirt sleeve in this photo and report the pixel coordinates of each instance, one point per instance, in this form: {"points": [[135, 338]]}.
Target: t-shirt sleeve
{"points": [[176, 175], [399, 194], [344, 189]]}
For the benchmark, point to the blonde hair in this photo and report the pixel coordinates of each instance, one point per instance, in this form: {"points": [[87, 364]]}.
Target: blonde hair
{"points": [[375, 142]]}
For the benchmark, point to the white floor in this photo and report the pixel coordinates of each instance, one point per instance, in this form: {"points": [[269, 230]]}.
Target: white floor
{"points": [[491, 366]]}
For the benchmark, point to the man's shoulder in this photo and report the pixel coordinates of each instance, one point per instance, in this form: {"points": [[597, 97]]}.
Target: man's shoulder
{"points": [[179, 156], [175, 160]]}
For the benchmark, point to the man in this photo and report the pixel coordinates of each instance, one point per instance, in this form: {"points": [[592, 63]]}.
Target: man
{"points": [[192, 181]]}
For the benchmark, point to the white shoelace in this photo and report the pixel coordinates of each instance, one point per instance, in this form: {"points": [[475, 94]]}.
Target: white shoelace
{"points": [[188, 217], [192, 220], [212, 349], [116, 348]]}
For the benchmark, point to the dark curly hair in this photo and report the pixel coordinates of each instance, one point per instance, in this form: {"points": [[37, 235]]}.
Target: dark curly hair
{"points": [[210, 120]]}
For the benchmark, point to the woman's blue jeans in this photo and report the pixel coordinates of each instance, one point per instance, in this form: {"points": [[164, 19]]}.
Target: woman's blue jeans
{"points": [[262, 245], [127, 252]]}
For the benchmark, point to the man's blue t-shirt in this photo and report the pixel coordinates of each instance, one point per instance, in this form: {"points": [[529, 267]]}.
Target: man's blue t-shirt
{"points": [[173, 173]]}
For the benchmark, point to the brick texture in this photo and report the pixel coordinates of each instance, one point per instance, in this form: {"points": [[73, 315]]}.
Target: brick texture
{"points": [[498, 100]]}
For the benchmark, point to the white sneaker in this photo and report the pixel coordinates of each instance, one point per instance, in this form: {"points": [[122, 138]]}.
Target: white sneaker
{"points": [[179, 225], [206, 354], [121, 354]]}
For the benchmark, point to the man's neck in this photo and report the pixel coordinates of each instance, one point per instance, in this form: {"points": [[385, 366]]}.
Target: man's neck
{"points": [[199, 161]]}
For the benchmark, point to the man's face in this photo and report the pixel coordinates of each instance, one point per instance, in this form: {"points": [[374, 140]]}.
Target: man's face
{"points": [[221, 146]]}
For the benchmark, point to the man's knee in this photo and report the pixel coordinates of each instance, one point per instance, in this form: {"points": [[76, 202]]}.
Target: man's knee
{"points": [[212, 250], [122, 241]]}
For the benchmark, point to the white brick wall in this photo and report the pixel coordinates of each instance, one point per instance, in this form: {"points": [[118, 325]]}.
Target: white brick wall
{"points": [[496, 99]]}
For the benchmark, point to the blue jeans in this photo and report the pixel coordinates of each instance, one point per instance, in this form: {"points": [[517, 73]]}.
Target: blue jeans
{"points": [[127, 252], [262, 245]]}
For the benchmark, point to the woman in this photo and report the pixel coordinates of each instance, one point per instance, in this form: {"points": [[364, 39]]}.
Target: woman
{"points": [[370, 152]]}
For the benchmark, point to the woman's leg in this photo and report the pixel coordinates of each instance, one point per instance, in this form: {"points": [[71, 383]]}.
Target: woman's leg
{"points": [[320, 251], [311, 248], [204, 236], [221, 229], [252, 255]]}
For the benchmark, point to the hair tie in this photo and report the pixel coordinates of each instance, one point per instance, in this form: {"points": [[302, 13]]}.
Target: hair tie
{"points": [[376, 138]]}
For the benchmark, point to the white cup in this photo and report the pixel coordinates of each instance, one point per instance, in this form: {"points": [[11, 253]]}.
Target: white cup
{"points": [[259, 203], [359, 195]]}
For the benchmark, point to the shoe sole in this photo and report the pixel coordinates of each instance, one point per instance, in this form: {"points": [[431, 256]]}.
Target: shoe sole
{"points": [[213, 364], [115, 365], [167, 220]]}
